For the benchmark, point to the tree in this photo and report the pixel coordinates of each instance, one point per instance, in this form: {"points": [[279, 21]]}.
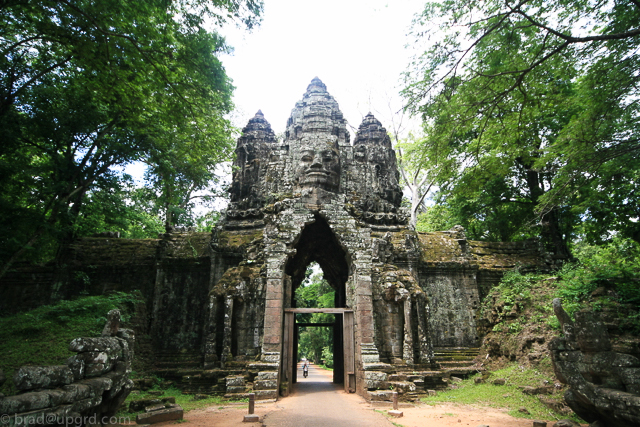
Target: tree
{"points": [[422, 170], [540, 95], [87, 86], [315, 341]]}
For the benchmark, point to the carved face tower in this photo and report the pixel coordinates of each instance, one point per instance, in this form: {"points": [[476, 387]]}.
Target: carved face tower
{"points": [[317, 161], [314, 134]]}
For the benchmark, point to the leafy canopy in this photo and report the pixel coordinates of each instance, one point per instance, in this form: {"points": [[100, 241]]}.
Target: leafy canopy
{"points": [[86, 87], [539, 98]]}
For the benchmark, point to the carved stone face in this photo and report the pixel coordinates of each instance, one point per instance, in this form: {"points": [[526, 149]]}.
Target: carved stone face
{"points": [[318, 165]]}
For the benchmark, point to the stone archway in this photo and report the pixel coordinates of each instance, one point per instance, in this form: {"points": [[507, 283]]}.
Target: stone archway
{"points": [[317, 243]]}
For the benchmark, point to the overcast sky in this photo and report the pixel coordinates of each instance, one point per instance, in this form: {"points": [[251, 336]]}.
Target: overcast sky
{"points": [[356, 47]]}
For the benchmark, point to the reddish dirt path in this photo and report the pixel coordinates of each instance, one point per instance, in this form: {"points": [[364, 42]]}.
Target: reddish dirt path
{"points": [[318, 402]]}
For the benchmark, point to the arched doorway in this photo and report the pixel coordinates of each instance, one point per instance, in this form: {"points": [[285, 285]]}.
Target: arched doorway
{"points": [[317, 243]]}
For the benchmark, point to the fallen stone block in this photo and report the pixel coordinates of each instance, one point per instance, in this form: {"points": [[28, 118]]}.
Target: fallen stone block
{"points": [[537, 390], [566, 423], [170, 414], [139, 405], [26, 402], [395, 413]]}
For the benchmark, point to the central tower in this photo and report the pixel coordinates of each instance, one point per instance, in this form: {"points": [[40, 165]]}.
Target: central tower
{"points": [[316, 197]]}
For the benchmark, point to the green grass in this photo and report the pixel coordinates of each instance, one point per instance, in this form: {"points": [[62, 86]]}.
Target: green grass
{"points": [[41, 337], [508, 397], [186, 401]]}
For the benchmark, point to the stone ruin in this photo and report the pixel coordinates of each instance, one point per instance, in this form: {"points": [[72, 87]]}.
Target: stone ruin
{"points": [[89, 389], [603, 373], [219, 308]]}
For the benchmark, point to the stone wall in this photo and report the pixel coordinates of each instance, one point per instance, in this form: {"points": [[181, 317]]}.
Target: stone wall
{"points": [[87, 390], [603, 375]]}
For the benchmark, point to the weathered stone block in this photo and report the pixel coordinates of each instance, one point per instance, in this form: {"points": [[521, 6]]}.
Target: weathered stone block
{"points": [[78, 391], [267, 375], [98, 385], [234, 381], [139, 405], [266, 394], [265, 384], [32, 377], [24, 402], [82, 406], [537, 390], [76, 364], [170, 414], [102, 344]]}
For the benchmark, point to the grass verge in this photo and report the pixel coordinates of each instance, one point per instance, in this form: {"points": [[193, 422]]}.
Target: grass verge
{"points": [[508, 397]]}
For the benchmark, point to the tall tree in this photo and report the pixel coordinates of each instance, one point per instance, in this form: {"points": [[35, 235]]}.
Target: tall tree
{"points": [[541, 95], [86, 86]]}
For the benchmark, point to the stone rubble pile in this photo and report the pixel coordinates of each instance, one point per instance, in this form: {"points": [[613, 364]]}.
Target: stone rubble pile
{"points": [[87, 390]]}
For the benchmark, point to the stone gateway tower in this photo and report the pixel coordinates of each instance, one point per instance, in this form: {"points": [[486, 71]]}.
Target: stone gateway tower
{"points": [[317, 197], [219, 313]]}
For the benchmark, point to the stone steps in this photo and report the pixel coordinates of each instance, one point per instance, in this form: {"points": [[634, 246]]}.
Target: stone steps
{"points": [[443, 354]]}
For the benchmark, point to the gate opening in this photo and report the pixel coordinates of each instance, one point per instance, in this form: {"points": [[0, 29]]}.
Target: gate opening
{"points": [[317, 302]]}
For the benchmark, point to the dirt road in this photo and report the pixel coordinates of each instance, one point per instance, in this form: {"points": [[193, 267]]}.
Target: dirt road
{"points": [[316, 401]]}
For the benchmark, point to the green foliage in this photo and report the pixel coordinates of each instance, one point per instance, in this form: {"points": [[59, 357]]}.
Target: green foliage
{"points": [[122, 208], [514, 291], [42, 336], [316, 342], [327, 356], [542, 131], [614, 266], [89, 87], [508, 396]]}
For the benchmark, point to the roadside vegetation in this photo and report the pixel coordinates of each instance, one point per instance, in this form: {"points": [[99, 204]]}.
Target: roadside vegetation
{"points": [[517, 322], [316, 342], [508, 396]]}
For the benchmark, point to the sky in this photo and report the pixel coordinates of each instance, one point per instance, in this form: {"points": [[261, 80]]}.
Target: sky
{"points": [[356, 47]]}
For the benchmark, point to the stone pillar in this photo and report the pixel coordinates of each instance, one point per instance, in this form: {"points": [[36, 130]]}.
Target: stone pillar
{"points": [[273, 311], [364, 299], [407, 342], [228, 330], [210, 356], [426, 347]]}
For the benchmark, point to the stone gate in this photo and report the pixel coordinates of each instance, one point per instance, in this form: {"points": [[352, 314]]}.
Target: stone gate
{"points": [[219, 311]]}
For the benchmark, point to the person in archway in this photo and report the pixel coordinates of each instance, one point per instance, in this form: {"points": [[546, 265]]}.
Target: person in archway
{"points": [[305, 368]]}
